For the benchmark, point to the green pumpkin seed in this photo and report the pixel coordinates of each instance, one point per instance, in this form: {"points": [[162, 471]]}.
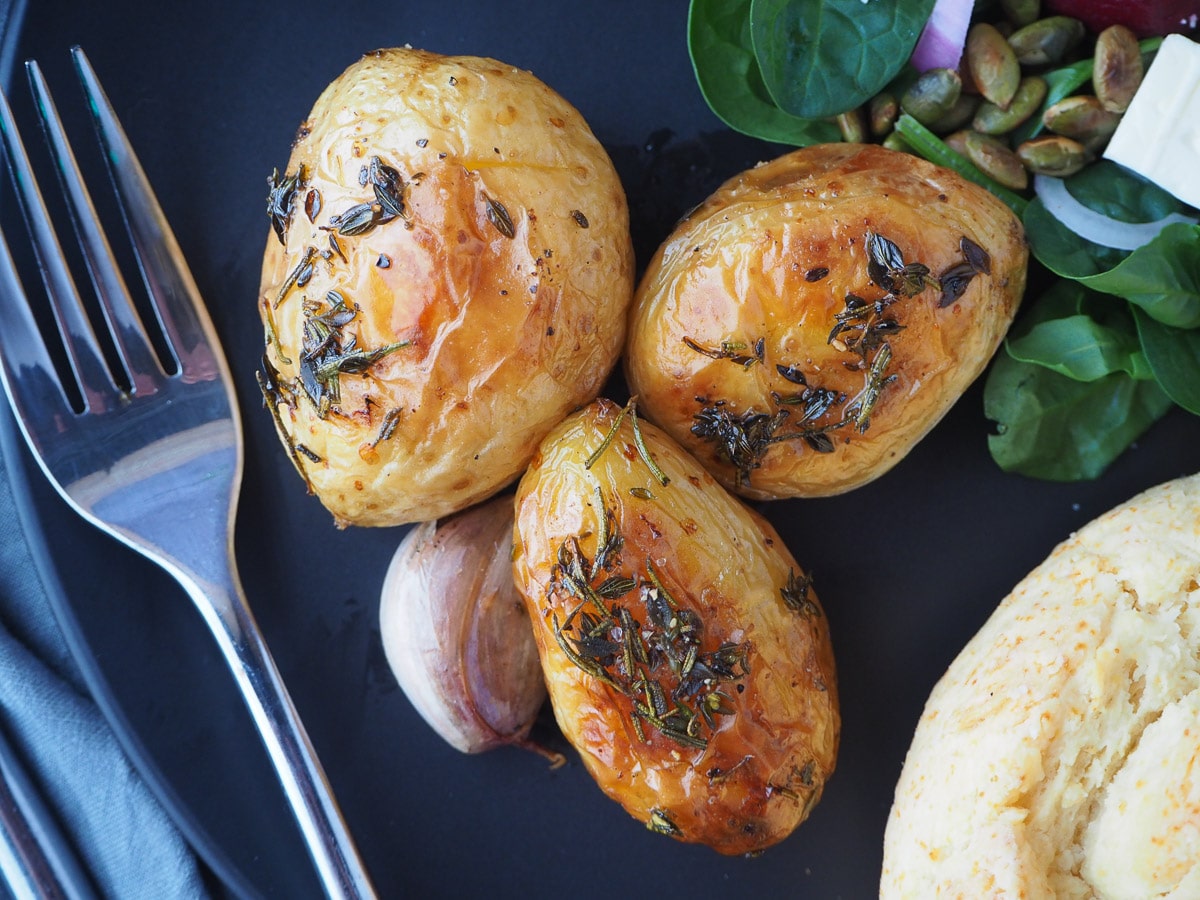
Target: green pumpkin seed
{"points": [[959, 115], [932, 95], [994, 158], [853, 126], [1117, 69], [1046, 41], [992, 119], [1021, 12], [1053, 155], [957, 141], [992, 63], [883, 112], [1083, 119]]}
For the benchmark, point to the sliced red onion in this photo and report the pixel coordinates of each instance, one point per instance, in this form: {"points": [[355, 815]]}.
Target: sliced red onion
{"points": [[941, 43], [1097, 227]]}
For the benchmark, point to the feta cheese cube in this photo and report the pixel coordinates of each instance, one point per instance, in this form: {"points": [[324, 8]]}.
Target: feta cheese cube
{"points": [[1159, 135]]}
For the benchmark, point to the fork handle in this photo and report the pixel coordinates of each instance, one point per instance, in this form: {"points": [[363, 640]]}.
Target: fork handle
{"points": [[304, 783]]}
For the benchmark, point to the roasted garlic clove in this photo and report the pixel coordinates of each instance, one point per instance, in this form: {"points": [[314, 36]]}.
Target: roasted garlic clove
{"points": [[455, 631]]}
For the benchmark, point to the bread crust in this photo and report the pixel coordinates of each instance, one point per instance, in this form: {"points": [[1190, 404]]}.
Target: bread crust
{"points": [[1058, 756]]}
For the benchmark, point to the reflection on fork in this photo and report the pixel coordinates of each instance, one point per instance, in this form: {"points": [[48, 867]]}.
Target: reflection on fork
{"points": [[150, 454]]}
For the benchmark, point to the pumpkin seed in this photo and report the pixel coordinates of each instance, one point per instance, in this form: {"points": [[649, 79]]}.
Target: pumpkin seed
{"points": [[1021, 12], [1117, 70], [957, 142], [993, 64], [995, 158], [993, 119], [883, 112], [853, 126], [932, 95], [1046, 41], [959, 115], [1083, 119], [1053, 155]]}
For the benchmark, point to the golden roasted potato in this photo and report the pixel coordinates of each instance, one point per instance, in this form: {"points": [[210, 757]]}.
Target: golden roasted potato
{"points": [[449, 276], [686, 656], [811, 321]]}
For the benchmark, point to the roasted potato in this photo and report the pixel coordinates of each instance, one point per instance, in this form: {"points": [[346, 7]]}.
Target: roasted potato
{"points": [[448, 276], [687, 657], [812, 320]]}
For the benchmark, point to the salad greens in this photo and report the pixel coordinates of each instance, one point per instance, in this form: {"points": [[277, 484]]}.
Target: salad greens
{"points": [[822, 57], [1099, 356], [729, 77], [1106, 351]]}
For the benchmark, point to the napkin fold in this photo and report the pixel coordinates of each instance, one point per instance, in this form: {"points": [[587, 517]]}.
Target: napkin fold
{"points": [[107, 826]]}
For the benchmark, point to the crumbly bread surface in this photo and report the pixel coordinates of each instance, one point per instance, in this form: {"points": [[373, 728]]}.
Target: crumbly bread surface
{"points": [[1059, 756]]}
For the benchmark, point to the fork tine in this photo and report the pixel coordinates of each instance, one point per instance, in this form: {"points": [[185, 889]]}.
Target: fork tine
{"points": [[168, 279], [83, 352], [25, 365], [124, 324]]}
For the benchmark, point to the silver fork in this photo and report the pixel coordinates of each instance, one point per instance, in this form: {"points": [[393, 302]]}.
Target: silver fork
{"points": [[157, 463]]}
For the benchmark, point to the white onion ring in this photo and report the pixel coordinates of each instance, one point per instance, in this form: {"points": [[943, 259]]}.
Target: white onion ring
{"points": [[1097, 227]]}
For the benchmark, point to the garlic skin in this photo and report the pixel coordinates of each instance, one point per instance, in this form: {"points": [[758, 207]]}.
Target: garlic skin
{"points": [[455, 631]]}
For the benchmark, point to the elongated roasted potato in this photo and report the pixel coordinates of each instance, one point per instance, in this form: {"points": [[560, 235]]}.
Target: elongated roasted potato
{"points": [[812, 320], [449, 275], [687, 657]]}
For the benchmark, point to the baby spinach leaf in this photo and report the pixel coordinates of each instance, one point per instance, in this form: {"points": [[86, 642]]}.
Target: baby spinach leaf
{"points": [[1062, 251], [824, 57], [1081, 348], [1174, 357], [1053, 427], [1162, 277], [1063, 298], [731, 83], [1109, 190], [1120, 194]]}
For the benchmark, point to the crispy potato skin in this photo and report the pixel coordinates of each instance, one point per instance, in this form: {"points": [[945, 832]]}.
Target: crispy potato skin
{"points": [[766, 763], [772, 255], [505, 334]]}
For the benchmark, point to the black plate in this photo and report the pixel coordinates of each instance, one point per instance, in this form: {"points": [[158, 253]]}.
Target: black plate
{"points": [[908, 568]]}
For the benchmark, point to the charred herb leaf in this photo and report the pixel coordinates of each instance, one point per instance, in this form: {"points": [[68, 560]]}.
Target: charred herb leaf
{"points": [[387, 204], [329, 353], [498, 215], [796, 597], [672, 685], [741, 439], [886, 268], [731, 350], [281, 201]]}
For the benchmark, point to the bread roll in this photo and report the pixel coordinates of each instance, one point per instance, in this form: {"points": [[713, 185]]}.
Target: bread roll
{"points": [[811, 321], [449, 276], [1059, 756]]}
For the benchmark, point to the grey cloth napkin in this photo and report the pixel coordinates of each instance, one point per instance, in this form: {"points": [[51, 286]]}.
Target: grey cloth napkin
{"points": [[122, 837], [113, 831]]}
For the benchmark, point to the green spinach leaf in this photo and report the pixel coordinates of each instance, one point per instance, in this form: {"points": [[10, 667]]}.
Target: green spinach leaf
{"points": [[1052, 427], [731, 83], [1162, 277], [823, 57], [1061, 250], [1174, 357], [1082, 349]]}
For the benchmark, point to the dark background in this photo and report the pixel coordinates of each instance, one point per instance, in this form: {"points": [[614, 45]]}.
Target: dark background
{"points": [[907, 568]]}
